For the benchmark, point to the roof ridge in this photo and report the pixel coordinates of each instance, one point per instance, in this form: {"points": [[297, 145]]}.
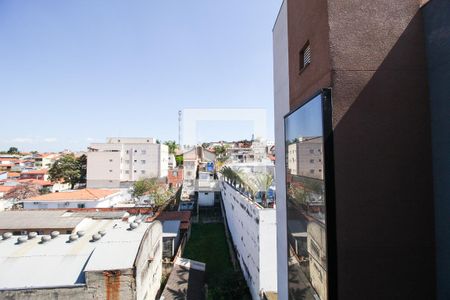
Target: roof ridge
{"points": [[95, 196]]}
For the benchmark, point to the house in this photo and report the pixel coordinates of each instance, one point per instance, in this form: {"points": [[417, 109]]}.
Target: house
{"points": [[85, 198], [121, 161], [175, 177], [45, 160], [41, 174]]}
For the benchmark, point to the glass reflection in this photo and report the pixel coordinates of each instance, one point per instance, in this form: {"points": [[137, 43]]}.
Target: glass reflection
{"points": [[306, 203]]}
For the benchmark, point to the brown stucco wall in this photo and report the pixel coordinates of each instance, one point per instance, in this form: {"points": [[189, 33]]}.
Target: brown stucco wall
{"points": [[308, 21], [375, 54]]}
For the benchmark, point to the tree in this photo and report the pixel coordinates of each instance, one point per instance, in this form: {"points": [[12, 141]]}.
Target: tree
{"points": [[22, 191], [179, 159], [220, 150], [82, 164], [13, 150], [172, 146], [68, 169], [150, 187]]}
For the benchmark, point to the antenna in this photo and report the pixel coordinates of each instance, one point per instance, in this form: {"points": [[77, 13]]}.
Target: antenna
{"points": [[180, 118]]}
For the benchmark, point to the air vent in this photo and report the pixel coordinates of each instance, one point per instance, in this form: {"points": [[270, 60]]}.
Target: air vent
{"points": [[80, 233], [96, 237], [305, 56], [21, 239], [32, 235], [54, 234], [45, 238], [73, 237], [6, 235], [134, 225]]}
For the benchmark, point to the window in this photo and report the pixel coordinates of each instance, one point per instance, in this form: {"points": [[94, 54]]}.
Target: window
{"points": [[135, 151], [311, 161], [311, 151], [127, 161], [127, 172], [305, 56], [143, 161], [135, 171], [142, 171], [81, 205], [110, 171], [143, 152], [110, 160], [311, 171], [135, 160], [127, 152]]}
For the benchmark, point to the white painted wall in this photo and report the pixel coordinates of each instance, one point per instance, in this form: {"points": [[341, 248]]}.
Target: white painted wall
{"points": [[102, 203], [253, 231], [281, 108], [206, 198], [118, 162]]}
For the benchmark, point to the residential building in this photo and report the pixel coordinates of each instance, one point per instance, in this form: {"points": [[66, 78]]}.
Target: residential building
{"points": [[107, 259], [45, 160], [85, 198], [121, 161], [41, 174], [175, 177], [356, 75], [195, 160], [253, 230]]}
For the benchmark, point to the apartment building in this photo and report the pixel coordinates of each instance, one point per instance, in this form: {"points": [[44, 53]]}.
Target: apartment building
{"points": [[371, 81], [121, 161]]}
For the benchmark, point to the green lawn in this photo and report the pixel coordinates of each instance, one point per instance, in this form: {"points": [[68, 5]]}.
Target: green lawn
{"points": [[208, 244]]}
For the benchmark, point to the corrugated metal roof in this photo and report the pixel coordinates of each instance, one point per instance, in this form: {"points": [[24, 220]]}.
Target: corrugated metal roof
{"points": [[57, 262], [37, 219]]}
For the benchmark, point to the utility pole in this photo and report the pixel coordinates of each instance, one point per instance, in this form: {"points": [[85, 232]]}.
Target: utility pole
{"points": [[180, 117]]}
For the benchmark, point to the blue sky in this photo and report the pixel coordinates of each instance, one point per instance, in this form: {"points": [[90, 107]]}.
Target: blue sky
{"points": [[77, 71]]}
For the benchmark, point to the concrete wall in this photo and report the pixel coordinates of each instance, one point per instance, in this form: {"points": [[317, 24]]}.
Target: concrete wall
{"points": [[254, 238], [437, 31], [281, 108], [111, 284], [382, 150], [206, 198], [69, 293], [149, 263], [106, 202]]}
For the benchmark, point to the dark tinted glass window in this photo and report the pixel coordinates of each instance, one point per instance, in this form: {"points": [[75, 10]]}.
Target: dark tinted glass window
{"points": [[306, 211]]}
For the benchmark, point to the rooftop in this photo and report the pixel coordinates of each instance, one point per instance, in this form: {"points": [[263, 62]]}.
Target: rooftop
{"points": [[186, 281], [171, 228], [84, 194], [37, 219], [63, 263]]}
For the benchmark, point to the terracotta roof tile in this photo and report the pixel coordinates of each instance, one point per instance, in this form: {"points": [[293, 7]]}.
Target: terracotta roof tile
{"points": [[84, 194]]}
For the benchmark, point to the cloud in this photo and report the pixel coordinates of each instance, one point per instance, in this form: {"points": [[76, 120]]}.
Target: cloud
{"points": [[22, 140], [50, 140]]}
